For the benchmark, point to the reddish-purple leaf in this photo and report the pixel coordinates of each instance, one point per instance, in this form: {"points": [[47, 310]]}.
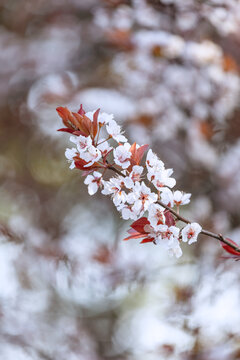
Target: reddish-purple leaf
{"points": [[229, 249], [78, 132], [140, 152], [139, 224], [95, 123], [135, 236], [133, 149], [169, 218], [67, 117], [146, 240], [71, 131], [81, 111]]}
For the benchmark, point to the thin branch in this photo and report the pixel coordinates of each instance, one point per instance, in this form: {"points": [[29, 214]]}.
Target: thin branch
{"points": [[204, 232], [110, 167], [219, 237]]}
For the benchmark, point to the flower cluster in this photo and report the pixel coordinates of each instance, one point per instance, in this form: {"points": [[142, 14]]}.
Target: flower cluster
{"points": [[140, 190]]}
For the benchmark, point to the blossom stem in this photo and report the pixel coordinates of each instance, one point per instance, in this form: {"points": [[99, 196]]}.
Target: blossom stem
{"points": [[110, 167], [219, 237], [103, 140], [99, 129]]}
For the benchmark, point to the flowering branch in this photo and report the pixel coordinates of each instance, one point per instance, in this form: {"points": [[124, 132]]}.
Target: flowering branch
{"points": [[129, 192], [219, 237], [204, 232]]}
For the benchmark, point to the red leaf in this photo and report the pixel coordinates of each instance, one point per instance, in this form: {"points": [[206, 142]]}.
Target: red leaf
{"points": [[133, 156], [135, 236], [95, 123], [84, 123], [137, 154], [140, 152], [81, 111], [139, 224], [79, 163], [133, 149], [146, 240], [229, 249], [169, 218], [78, 132], [67, 117], [71, 131]]}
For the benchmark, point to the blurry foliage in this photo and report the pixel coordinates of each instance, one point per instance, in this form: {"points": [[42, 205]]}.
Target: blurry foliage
{"points": [[70, 289]]}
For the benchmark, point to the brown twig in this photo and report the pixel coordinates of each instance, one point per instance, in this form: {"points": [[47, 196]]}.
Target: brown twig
{"points": [[204, 232], [110, 167], [219, 237]]}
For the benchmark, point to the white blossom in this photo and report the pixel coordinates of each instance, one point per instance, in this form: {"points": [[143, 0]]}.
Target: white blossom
{"points": [[191, 232], [114, 130], [156, 215], [167, 237], [174, 198], [162, 179], [114, 187], [180, 198], [167, 197], [82, 142], [154, 165], [91, 155], [152, 160], [166, 233], [70, 154], [135, 175], [141, 197], [122, 155], [127, 212], [93, 181], [104, 147], [174, 248], [103, 117]]}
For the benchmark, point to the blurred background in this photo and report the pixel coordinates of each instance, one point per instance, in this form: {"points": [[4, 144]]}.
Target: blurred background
{"points": [[70, 288]]}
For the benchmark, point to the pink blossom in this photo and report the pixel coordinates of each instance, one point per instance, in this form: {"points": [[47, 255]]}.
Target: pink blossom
{"points": [[190, 233], [122, 155], [91, 155], [115, 131], [70, 154], [93, 181]]}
